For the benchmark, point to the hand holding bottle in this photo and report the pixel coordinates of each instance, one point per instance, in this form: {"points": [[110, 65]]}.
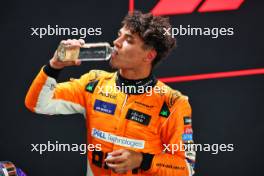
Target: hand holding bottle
{"points": [[68, 45], [72, 52]]}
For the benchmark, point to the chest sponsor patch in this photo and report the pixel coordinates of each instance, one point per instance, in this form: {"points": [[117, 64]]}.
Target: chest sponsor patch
{"points": [[108, 95], [187, 137], [188, 130], [187, 120], [144, 105], [137, 116], [118, 140], [164, 112], [105, 107], [91, 86]]}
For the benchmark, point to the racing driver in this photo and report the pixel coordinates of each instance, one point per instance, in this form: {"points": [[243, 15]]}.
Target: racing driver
{"points": [[138, 125]]}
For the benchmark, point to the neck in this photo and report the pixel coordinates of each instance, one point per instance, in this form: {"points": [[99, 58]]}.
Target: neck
{"points": [[134, 74], [135, 82]]}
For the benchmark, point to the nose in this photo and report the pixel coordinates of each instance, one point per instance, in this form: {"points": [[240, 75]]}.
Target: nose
{"points": [[118, 42]]}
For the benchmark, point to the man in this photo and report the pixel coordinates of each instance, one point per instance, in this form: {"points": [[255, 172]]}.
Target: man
{"points": [[138, 128]]}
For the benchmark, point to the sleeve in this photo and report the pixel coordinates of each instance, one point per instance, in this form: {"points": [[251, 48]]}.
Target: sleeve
{"points": [[177, 157], [45, 96]]}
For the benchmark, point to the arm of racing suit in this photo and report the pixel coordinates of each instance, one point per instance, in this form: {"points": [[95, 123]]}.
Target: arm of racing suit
{"points": [[45, 96], [175, 131]]}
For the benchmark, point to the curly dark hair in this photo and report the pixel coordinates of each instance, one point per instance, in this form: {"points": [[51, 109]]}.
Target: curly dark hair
{"points": [[151, 29]]}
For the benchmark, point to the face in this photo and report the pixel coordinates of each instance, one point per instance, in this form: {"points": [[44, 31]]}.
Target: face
{"points": [[129, 52]]}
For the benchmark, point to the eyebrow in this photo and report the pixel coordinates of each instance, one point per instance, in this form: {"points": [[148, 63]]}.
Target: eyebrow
{"points": [[127, 34]]}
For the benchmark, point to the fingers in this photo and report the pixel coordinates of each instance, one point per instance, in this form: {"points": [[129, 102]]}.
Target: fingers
{"points": [[115, 159], [82, 42], [115, 166], [116, 156], [69, 45], [118, 168], [118, 161], [73, 43], [54, 63], [71, 63], [117, 152]]}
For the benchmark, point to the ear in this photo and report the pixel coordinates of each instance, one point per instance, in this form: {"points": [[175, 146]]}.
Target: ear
{"points": [[151, 55]]}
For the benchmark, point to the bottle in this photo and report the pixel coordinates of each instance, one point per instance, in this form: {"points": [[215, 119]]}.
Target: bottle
{"points": [[87, 52]]}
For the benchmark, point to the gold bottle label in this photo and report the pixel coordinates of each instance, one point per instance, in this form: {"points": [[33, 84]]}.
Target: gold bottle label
{"points": [[67, 54]]}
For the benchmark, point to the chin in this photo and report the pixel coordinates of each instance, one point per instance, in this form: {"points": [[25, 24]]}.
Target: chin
{"points": [[113, 64]]}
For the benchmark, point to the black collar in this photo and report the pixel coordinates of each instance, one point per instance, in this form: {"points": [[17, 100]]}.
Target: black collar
{"points": [[139, 86]]}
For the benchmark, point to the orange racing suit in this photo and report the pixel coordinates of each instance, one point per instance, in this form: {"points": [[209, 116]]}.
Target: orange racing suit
{"points": [[152, 122]]}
